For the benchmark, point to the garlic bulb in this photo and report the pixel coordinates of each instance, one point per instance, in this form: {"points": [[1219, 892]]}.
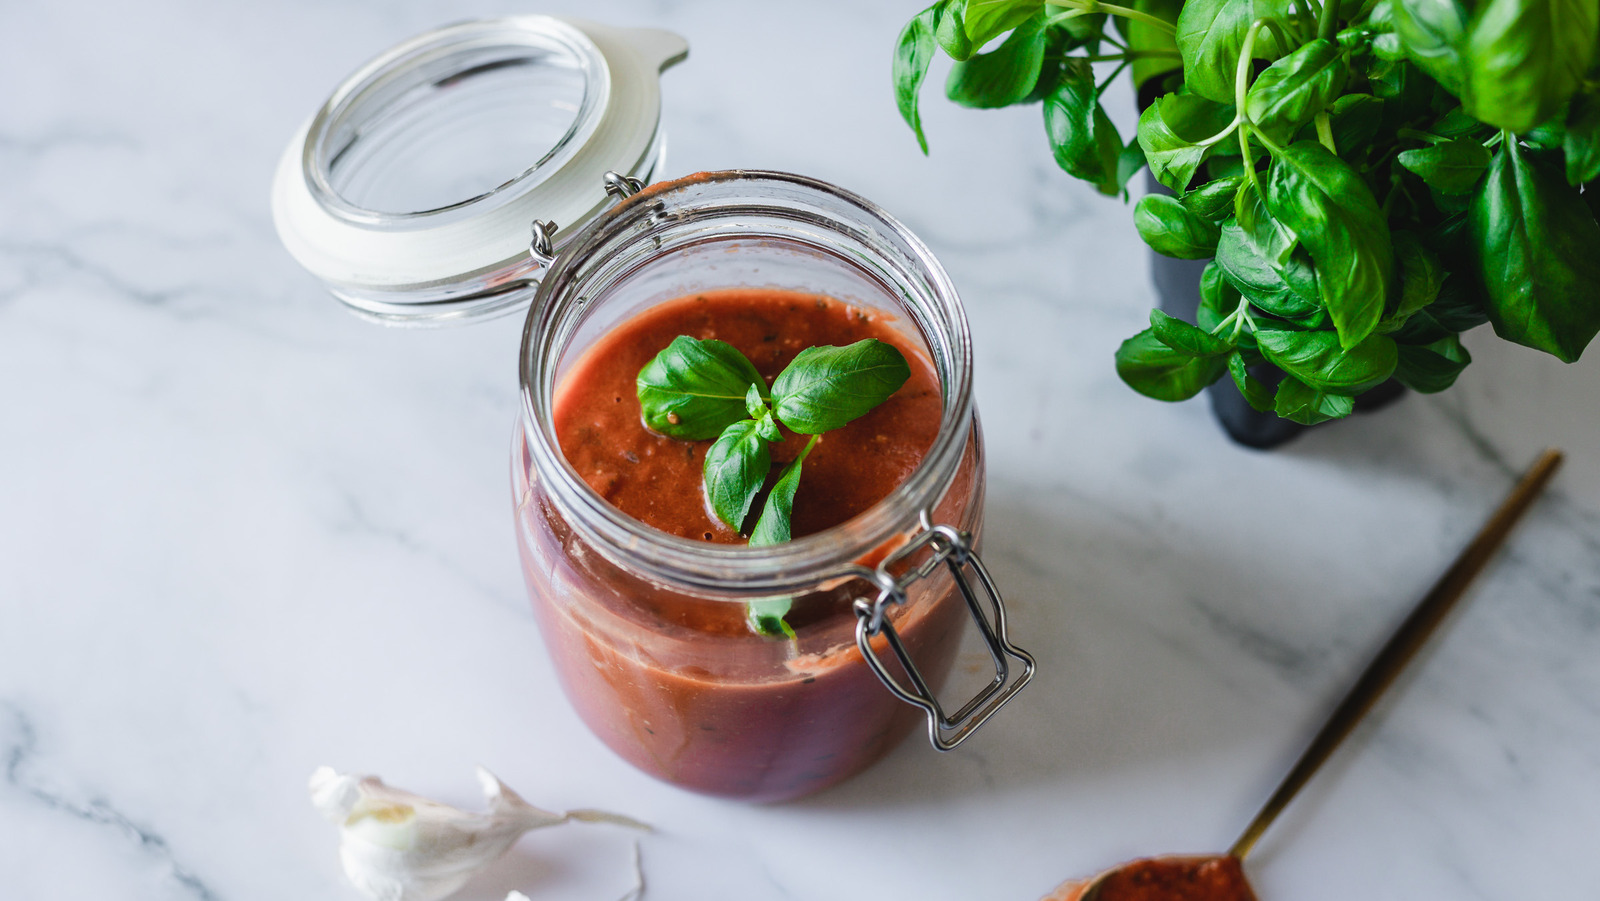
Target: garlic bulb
{"points": [[397, 846]]}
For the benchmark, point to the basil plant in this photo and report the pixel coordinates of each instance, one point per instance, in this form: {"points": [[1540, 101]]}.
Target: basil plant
{"points": [[1369, 179]]}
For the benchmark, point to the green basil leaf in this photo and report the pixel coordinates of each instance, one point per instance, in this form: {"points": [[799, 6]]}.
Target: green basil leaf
{"points": [[766, 616], [1581, 143], [1420, 275], [1185, 338], [1458, 123], [1256, 393], [694, 389], [1448, 204], [767, 428], [1386, 46], [1220, 165], [1170, 229], [1431, 368], [1274, 239], [1354, 120], [1157, 371], [1319, 360], [1171, 131], [1214, 200], [1380, 19], [754, 404], [1218, 298], [736, 467], [1451, 239], [1082, 139], [766, 425], [1421, 329], [1331, 209], [912, 54], [1297, 87], [1462, 304], [1315, 320], [1129, 160], [950, 30], [1526, 57], [1003, 76], [1550, 134], [1211, 39], [1084, 29], [1406, 92], [1156, 48], [985, 20], [1537, 244], [1433, 34], [1377, 33], [826, 387], [1258, 257], [1452, 167], [1057, 44], [773, 525], [1255, 277], [1299, 402]]}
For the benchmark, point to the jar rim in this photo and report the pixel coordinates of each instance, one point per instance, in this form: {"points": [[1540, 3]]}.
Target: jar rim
{"points": [[740, 572]]}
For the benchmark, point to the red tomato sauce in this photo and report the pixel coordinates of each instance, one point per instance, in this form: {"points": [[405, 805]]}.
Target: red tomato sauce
{"points": [[657, 480], [1164, 879]]}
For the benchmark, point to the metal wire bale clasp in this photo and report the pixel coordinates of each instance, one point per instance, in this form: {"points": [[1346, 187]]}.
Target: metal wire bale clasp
{"points": [[542, 245], [622, 186], [953, 549]]}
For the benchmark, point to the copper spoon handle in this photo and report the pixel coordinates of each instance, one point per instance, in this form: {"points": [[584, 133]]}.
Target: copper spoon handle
{"points": [[1402, 646]]}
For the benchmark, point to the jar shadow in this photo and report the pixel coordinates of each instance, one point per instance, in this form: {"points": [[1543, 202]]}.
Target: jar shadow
{"points": [[1139, 648]]}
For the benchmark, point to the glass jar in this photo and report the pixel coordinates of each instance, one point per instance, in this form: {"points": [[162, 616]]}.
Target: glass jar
{"points": [[647, 630], [413, 192]]}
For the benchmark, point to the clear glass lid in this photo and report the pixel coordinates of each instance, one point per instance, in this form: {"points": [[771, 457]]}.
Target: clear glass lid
{"points": [[411, 192]]}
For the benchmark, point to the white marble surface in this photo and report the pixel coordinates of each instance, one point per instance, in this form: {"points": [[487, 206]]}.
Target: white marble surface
{"points": [[243, 533]]}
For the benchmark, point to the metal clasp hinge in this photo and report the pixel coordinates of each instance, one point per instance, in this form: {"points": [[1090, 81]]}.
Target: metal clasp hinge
{"points": [[953, 549], [542, 246]]}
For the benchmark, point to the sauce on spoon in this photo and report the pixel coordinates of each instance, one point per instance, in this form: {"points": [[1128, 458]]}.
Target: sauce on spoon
{"points": [[1218, 878]]}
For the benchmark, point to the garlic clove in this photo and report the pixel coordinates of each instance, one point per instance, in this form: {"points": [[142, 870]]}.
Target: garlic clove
{"points": [[398, 846]]}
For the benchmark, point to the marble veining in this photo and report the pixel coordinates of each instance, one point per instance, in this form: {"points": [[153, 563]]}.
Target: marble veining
{"points": [[244, 534], [21, 751]]}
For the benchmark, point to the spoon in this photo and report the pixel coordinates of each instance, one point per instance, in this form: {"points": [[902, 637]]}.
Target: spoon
{"points": [[1221, 877]]}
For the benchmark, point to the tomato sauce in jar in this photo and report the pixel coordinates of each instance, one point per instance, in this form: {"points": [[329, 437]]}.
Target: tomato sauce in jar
{"points": [[644, 598], [681, 687]]}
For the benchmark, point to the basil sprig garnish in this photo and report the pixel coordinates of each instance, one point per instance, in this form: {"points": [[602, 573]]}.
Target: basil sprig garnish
{"points": [[698, 389], [1370, 178]]}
